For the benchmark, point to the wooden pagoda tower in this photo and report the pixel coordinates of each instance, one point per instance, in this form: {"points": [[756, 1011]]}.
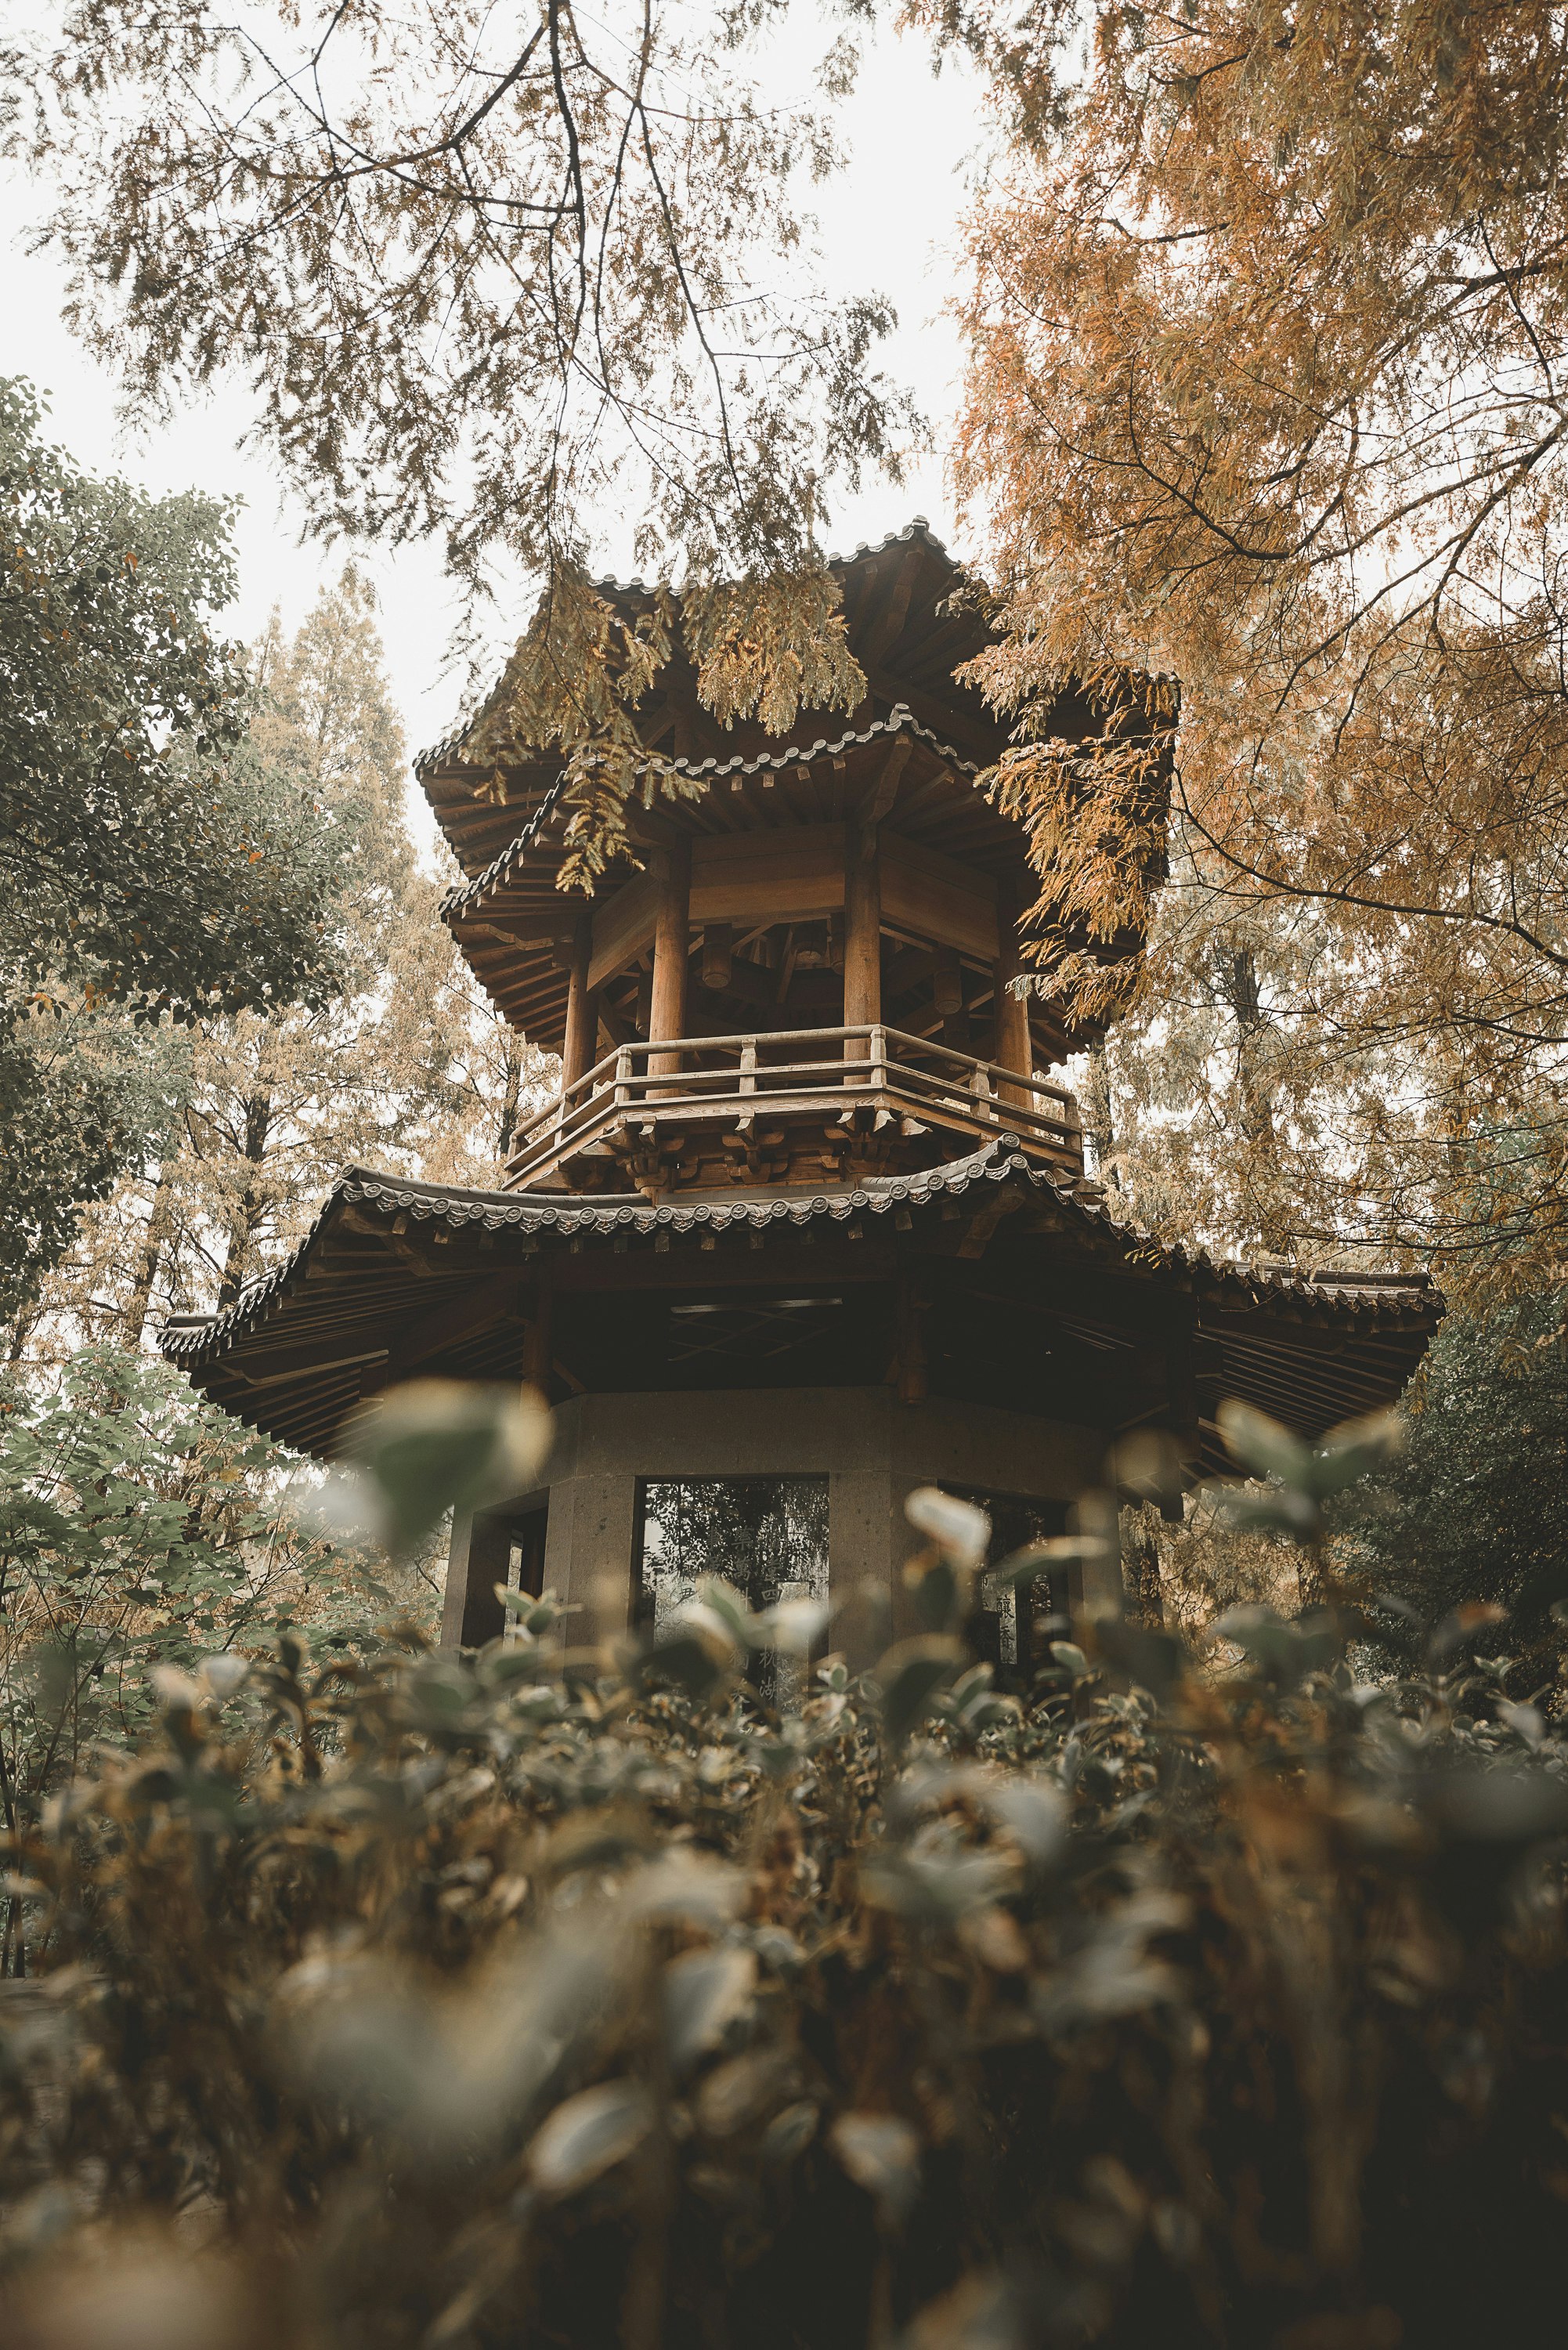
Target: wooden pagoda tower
{"points": [[806, 1224]]}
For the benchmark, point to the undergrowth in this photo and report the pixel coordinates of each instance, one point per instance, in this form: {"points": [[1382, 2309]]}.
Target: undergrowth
{"points": [[542, 1996]]}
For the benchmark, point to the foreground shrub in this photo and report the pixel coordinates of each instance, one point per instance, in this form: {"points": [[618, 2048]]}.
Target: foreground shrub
{"points": [[539, 1997]]}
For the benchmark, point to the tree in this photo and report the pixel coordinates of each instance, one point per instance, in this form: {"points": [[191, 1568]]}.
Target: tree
{"points": [[148, 865], [142, 853], [492, 280], [1476, 1506], [401, 1067], [1268, 328], [82, 1093], [1233, 1105], [139, 1528]]}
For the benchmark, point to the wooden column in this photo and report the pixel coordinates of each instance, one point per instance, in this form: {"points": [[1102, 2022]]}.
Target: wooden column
{"points": [[862, 936], [1184, 1417], [1011, 1047], [538, 1339], [671, 945], [578, 1051]]}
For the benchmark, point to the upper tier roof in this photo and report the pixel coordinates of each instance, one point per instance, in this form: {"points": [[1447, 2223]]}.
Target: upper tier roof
{"points": [[900, 629], [913, 617]]}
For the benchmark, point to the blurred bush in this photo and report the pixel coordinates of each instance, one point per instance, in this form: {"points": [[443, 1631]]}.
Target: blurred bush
{"points": [[556, 1996]]}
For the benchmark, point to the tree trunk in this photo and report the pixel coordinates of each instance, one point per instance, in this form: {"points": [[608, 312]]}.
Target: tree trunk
{"points": [[259, 1119], [1256, 1099], [511, 1096], [1099, 1122], [154, 1234]]}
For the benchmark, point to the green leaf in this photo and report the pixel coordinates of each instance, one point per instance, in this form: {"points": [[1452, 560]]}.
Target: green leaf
{"points": [[435, 1445], [704, 1992], [908, 1677], [588, 2136]]}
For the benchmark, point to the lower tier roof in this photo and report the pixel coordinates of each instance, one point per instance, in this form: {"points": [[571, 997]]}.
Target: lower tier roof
{"points": [[984, 1278]]}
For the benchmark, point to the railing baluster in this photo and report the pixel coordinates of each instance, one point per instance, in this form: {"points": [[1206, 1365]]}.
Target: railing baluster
{"points": [[724, 1075]]}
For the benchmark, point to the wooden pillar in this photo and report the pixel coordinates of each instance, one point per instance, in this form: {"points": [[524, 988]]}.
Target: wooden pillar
{"points": [[578, 1051], [671, 945], [862, 936], [538, 1339], [1184, 1417], [718, 955], [1012, 1047]]}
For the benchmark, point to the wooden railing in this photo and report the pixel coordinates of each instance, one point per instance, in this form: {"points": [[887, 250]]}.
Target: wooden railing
{"points": [[730, 1081]]}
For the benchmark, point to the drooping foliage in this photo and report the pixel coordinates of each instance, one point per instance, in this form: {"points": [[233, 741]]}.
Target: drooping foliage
{"points": [[491, 280], [1266, 312], [261, 1109]]}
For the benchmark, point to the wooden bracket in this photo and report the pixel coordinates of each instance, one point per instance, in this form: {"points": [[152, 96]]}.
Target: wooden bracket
{"points": [[985, 1220], [885, 790]]}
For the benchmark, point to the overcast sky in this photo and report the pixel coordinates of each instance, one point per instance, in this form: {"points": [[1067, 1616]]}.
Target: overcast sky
{"points": [[889, 222]]}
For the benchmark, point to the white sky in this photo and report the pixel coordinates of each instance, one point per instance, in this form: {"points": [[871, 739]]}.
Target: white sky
{"points": [[889, 222]]}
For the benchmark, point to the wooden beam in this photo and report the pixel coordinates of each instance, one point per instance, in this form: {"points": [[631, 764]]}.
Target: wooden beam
{"points": [[784, 873], [718, 954], [934, 897], [494, 1300], [623, 928], [885, 790], [1004, 1202], [538, 1346]]}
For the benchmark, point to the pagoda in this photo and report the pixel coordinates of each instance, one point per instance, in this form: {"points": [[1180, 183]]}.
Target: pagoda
{"points": [[807, 1223]]}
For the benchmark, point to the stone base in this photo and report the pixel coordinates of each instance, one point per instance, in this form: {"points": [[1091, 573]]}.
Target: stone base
{"points": [[873, 1450]]}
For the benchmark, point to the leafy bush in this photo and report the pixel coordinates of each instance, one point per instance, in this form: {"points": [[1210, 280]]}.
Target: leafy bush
{"points": [[540, 1996], [1475, 1505], [140, 1528]]}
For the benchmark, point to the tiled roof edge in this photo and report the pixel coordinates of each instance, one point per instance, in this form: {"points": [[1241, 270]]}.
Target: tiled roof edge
{"points": [[901, 720], [864, 553], [496, 1211]]}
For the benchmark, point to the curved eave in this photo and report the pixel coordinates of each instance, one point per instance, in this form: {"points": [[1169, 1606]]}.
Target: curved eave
{"points": [[294, 1355]]}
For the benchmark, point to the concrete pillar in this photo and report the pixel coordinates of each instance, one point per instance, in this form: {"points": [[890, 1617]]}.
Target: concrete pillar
{"points": [[864, 1560], [587, 1552], [477, 1560], [671, 946], [456, 1599]]}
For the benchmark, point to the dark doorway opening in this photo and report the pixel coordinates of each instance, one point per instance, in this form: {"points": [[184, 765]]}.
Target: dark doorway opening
{"points": [[505, 1547], [1011, 1627]]}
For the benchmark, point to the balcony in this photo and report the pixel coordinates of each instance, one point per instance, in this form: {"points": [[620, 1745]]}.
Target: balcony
{"points": [[818, 1107]]}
